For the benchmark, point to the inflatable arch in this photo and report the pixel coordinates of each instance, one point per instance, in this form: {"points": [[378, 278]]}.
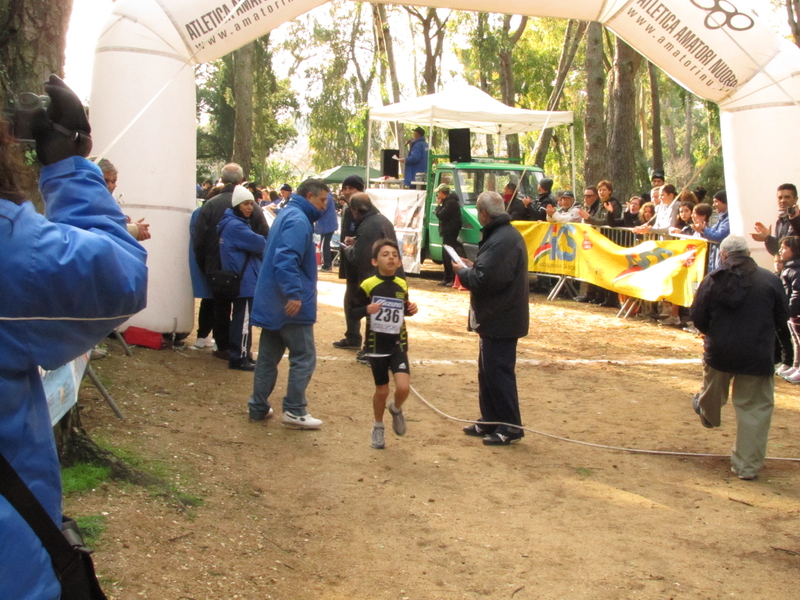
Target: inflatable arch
{"points": [[143, 101]]}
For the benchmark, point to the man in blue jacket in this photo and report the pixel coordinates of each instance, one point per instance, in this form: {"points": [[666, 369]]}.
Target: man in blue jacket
{"points": [[417, 159], [285, 306], [69, 278]]}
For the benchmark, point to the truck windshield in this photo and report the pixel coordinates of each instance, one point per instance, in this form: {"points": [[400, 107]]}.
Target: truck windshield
{"points": [[472, 182]]}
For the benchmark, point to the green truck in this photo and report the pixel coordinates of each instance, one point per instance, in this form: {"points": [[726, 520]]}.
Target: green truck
{"points": [[468, 180]]}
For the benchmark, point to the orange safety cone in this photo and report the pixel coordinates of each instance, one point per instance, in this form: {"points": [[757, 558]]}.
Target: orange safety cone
{"points": [[457, 285]]}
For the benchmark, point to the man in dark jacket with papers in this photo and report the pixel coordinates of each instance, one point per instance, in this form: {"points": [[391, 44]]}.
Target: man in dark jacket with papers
{"points": [[498, 285]]}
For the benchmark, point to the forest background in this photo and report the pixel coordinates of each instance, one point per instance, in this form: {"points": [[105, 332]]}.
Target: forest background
{"points": [[294, 102]]}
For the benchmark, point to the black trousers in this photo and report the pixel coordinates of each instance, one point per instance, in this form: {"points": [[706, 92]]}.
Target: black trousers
{"points": [[452, 241], [222, 323], [353, 332], [205, 318], [497, 382], [241, 333]]}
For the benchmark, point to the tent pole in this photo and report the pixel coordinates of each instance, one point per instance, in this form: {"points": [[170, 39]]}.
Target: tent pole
{"points": [[572, 152], [369, 147], [429, 175]]}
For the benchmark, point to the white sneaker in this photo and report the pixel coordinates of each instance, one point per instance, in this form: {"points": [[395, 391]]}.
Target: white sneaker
{"points": [[378, 441], [398, 420], [793, 377], [788, 372], [671, 321], [206, 342], [304, 422], [783, 370]]}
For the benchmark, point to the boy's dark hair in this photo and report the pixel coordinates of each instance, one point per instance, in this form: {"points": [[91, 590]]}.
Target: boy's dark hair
{"points": [[704, 210], [376, 247], [792, 242], [788, 186]]}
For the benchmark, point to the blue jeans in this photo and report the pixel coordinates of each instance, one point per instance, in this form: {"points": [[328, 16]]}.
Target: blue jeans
{"points": [[299, 339]]}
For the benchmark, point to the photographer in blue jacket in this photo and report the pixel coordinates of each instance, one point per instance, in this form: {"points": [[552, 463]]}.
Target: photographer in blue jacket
{"points": [[68, 279]]}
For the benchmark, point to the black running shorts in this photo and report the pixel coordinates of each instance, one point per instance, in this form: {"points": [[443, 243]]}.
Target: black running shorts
{"points": [[381, 365]]}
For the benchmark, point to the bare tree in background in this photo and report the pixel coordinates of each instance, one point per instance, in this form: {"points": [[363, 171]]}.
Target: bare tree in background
{"points": [[508, 92], [387, 66], [433, 28], [575, 32]]}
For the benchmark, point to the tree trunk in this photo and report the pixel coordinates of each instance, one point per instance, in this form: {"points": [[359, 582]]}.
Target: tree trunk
{"points": [[575, 32], [655, 107], [33, 37], [687, 145], [508, 90], [594, 166], [624, 137], [386, 47], [433, 30], [793, 13], [243, 102]]}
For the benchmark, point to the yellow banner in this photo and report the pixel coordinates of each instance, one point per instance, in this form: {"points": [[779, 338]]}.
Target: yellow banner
{"points": [[654, 270]]}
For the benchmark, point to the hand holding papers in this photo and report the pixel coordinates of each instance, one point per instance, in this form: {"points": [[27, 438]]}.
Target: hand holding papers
{"points": [[454, 255]]}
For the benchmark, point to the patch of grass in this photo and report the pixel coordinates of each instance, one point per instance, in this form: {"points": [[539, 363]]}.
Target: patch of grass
{"points": [[83, 477], [92, 527], [584, 472], [160, 468]]}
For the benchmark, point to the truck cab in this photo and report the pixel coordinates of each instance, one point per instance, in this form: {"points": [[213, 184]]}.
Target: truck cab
{"points": [[468, 181]]}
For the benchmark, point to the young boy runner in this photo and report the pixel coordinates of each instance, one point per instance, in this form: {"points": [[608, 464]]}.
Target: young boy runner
{"points": [[384, 299]]}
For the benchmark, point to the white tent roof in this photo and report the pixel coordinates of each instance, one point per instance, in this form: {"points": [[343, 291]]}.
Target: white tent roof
{"points": [[462, 106]]}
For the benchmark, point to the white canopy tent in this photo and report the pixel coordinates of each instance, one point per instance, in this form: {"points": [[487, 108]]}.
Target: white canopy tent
{"points": [[463, 106]]}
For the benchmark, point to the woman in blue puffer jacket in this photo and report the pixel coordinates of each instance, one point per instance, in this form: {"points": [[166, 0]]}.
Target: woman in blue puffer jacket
{"points": [[239, 244]]}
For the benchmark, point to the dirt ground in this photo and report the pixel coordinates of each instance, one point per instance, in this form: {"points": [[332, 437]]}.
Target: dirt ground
{"points": [[289, 514]]}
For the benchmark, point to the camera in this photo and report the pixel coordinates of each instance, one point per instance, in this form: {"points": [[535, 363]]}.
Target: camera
{"points": [[21, 112]]}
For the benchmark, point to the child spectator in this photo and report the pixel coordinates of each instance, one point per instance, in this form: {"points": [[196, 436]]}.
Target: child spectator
{"points": [[790, 255], [684, 223], [647, 213], [700, 216], [384, 297]]}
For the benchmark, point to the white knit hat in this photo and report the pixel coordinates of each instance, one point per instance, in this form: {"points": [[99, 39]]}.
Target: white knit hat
{"points": [[241, 194]]}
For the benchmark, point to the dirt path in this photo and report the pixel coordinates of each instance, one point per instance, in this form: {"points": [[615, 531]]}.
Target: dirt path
{"points": [[321, 515]]}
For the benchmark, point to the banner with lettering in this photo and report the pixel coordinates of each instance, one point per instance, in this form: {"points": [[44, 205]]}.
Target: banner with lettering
{"points": [[405, 209], [654, 270], [213, 28], [698, 42], [61, 386]]}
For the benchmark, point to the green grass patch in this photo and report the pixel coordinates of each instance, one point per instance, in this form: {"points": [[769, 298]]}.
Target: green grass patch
{"points": [[161, 468], [92, 527], [584, 472], [83, 477]]}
